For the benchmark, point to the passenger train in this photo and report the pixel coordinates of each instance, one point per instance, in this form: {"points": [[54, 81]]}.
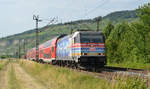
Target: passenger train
{"points": [[84, 49]]}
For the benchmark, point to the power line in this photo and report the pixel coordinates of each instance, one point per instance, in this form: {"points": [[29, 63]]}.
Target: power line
{"points": [[51, 22], [94, 9]]}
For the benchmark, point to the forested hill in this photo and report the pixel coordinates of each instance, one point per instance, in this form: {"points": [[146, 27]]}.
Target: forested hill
{"points": [[121, 15], [9, 45]]}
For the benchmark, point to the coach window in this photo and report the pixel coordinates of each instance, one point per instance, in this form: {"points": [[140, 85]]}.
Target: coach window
{"points": [[76, 40], [40, 51], [46, 56], [50, 54], [52, 49]]}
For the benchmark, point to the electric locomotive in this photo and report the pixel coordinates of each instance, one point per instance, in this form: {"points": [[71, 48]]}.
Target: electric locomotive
{"points": [[84, 49]]}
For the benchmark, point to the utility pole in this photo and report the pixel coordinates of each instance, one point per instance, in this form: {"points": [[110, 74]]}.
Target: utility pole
{"points": [[24, 47], [98, 19], [70, 24], [71, 28], [36, 18], [19, 50]]}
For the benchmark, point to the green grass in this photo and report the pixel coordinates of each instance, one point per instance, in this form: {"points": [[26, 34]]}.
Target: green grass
{"points": [[13, 83], [64, 78], [3, 63], [131, 65]]}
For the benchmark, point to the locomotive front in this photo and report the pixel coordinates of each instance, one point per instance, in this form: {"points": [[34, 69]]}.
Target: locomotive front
{"points": [[88, 49]]}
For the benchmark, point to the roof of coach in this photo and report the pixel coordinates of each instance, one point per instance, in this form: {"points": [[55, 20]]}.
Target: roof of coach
{"points": [[47, 43], [64, 37], [52, 41]]}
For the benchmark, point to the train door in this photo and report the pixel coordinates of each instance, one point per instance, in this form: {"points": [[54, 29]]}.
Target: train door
{"points": [[53, 52], [72, 45]]}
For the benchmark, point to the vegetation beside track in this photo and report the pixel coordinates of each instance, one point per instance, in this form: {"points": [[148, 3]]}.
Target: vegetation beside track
{"points": [[131, 65], [128, 44], [3, 63], [64, 78], [13, 82]]}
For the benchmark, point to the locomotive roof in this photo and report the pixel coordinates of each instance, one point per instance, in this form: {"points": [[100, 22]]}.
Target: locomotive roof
{"points": [[90, 31], [87, 30]]}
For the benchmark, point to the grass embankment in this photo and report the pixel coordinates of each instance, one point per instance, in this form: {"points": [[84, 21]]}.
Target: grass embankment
{"points": [[3, 63], [64, 78], [131, 65], [13, 82]]}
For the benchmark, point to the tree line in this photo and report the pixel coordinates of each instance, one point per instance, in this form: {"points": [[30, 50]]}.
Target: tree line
{"points": [[129, 41]]}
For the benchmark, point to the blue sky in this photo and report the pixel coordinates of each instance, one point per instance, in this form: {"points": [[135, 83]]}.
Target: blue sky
{"points": [[16, 15]]}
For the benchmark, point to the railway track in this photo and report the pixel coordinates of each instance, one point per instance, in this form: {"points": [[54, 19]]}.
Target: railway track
{"points": [[125, 71], [128, 71], [111, 73]]}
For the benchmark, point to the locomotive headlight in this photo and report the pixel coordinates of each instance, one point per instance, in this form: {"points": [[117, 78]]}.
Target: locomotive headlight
{"points": [[84, 53], [103, 54]]}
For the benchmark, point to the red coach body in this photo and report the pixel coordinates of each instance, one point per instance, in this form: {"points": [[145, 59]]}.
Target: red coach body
{"points": [[47, 51]]}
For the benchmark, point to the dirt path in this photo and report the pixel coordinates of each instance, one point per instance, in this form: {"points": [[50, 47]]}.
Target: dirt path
{"points": [[25, 80], [22, 79], [4, 77]]}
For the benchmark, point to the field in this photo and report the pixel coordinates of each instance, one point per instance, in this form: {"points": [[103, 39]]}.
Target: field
{"points": [[24, 74]]}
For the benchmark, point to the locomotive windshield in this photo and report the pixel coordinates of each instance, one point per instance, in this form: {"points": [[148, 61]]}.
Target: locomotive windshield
{"points": [[91, 38]]}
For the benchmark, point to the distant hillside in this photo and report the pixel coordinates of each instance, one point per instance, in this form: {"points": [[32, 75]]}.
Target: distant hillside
{"points": [[121, 15], [9, 45]]}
